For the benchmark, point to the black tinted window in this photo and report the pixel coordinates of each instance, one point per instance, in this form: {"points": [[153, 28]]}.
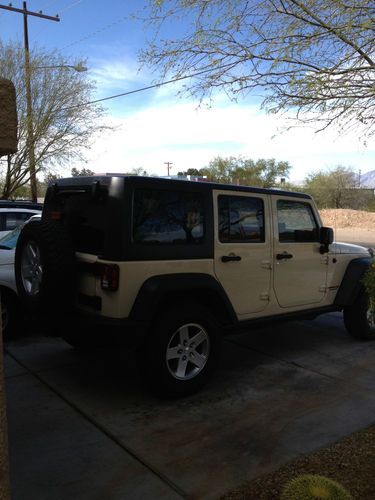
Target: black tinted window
{"points": [[167, 217], [241, 219], [296, 222]]}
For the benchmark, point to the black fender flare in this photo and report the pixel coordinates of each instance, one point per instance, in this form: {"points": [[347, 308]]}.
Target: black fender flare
{"points": [[195, 286], [351, 285]]}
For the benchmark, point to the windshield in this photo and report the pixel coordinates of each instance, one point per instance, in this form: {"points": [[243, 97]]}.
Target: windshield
{"points": [[10, 239]]}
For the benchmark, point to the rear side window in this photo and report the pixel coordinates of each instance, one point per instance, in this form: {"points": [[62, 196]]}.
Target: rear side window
{"points": [[241, 219], [167, 217], [11, 220], [296, 222]]}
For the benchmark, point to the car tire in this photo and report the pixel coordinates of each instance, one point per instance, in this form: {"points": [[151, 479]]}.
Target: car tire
{"points": [[181, 351], [45, 267], [359, 318]]}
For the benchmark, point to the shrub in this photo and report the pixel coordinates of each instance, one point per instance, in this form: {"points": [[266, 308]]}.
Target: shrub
{"points": [[314, 487], [369, 282]]}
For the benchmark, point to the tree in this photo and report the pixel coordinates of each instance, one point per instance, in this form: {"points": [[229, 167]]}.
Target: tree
{"points": [[314, 57], [84, 172], [337, 188], [62, 127], [190, 171], [239, 170]]}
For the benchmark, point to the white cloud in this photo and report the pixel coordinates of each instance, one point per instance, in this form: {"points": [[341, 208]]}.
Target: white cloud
{"points": [[110, 74], [187, 136]]}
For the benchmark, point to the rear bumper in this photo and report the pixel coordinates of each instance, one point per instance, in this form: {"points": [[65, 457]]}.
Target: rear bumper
{"points": [[110, 331]]}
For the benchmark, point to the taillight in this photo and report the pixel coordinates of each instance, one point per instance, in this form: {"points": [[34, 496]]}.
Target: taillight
{"points": [[109, 277], [56, 215]]}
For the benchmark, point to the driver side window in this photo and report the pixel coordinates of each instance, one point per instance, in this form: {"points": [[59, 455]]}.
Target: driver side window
{"points": [[296, 222]]}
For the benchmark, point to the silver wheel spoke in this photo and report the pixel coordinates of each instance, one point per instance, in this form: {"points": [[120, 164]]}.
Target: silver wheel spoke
{"points": [[200, 337], [181, 368], [27, 271], [184, 334], [34, 287], [172, 353], [31, 253], [198, 360]]}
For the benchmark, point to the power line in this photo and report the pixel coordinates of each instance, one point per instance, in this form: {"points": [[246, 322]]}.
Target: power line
{"points": [[149, 87], [96, 32], [71, 5]]}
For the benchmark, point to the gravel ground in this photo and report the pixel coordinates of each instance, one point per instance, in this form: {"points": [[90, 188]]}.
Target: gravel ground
{"points": [[346, 218], [350, 461]]}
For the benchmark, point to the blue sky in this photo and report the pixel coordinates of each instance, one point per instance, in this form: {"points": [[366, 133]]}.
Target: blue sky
{"points": [[156, 126]]}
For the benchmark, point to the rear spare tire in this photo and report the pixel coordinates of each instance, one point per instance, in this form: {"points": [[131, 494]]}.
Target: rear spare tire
{"points": [[45, 267]]}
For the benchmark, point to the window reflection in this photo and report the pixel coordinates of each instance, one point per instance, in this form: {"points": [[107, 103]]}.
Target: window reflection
{"points": [[167, 217], [241, 219]]}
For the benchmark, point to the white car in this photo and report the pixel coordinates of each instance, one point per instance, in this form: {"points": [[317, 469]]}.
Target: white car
{"points": [[16, 213], [9, 300]]}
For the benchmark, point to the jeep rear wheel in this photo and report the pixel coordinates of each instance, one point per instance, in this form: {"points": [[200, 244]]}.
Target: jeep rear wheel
{"points": [[359, 318], [182, 352]]}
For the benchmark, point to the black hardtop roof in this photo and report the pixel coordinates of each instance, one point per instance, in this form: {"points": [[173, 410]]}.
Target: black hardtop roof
{"points": [[161, 182]]}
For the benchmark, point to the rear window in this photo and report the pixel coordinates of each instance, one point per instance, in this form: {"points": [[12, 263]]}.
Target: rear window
{"points": [[86, 217], [167, 217]]}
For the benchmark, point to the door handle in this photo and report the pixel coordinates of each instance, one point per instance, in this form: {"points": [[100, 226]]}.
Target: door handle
{"points": [[284, 256], [230, 258]]}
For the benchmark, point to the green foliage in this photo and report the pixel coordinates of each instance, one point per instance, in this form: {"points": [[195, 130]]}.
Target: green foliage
{"points": [[337, 188], [244, 171], [312, 57], [84, 172], [371, 205], [191, 171], [314, 487], [369, 281]]}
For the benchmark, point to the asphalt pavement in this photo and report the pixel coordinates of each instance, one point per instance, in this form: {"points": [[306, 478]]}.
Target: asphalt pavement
{"points": [[82, 427]]}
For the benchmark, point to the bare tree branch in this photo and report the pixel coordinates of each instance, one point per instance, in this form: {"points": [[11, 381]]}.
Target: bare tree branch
{"points": [[313, 57], [59, 135]]}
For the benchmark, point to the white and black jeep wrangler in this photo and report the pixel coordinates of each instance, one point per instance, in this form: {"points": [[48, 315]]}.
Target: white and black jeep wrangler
{"points": [[170, 266]]}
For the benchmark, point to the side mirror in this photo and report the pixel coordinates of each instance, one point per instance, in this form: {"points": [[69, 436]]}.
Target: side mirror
{"points": [[325, 238], [8, 118]]}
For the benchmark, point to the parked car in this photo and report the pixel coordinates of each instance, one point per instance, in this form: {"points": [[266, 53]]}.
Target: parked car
{"points": [[10, 305], [171, 266], [15, 213]]}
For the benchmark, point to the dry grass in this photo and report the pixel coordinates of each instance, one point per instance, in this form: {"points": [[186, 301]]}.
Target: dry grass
{"points": [[347, 218]]}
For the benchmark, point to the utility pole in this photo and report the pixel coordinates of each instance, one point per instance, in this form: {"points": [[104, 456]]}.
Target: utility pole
{"points": [[168, 163], [29, 106]]}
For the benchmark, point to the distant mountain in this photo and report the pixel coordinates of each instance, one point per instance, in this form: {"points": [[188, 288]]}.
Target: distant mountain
{"points": [[368, 179]]}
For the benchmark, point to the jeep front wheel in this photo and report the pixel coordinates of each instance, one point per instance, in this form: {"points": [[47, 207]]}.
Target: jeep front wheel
{"points": [[359, 318], [182, 352]]}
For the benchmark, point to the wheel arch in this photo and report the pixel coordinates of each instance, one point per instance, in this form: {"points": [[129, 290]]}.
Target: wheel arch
{"points": [[170, 289], [351, 284]]}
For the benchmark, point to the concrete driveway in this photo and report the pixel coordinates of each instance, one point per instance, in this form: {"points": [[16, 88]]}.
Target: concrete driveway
{"points": [[82, 427]]}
